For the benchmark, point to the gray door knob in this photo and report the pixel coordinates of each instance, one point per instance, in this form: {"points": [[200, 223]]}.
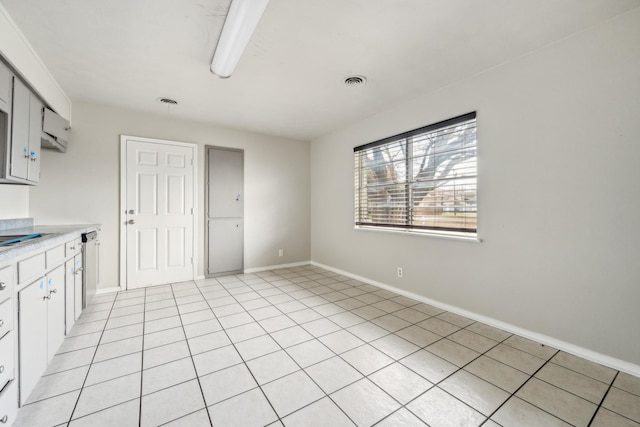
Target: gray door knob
{"points": [[131, 221]]}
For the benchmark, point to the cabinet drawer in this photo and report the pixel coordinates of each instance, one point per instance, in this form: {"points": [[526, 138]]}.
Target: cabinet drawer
{"points": [[9, 404], [73, 247], [55, 256], [6, 283], [6, 316], [6, 359], [31, 268]]}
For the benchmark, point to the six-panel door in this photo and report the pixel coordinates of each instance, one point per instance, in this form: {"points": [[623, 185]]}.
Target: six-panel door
{"points": [[159, 205]]}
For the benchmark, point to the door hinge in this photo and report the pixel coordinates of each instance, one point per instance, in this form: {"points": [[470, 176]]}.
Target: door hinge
{"points": [[191, 162], [191, 260], [191, 211]]}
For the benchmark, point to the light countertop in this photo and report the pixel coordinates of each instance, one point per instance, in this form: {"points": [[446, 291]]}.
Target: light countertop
{"points": [[52, 234]]}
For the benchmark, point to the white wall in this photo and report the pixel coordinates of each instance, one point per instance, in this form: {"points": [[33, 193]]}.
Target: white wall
{"points": [[17, 50], [82, 185], [559, 195], [14, 201]]}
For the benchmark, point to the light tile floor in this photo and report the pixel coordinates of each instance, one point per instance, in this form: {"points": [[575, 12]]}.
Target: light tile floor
{"points": [[307, 347]]}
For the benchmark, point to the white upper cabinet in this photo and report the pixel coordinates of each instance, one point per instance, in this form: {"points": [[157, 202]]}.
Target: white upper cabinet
{"points": [[22, 147]]}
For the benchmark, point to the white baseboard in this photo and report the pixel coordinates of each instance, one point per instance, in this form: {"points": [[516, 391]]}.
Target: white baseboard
{"points": [[275, 267], [603, 359], [200, 277]]}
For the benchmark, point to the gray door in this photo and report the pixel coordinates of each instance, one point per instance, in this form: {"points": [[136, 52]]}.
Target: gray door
{"points": [[224, 211]]}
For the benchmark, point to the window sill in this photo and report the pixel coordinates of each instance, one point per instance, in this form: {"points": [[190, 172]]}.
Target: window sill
{"points": [[449, 235]]}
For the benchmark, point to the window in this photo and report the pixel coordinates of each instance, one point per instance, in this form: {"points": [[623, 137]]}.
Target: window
{"points": [[422, 180]]}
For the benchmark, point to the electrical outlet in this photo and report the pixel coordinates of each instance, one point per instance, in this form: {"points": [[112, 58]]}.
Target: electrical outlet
{"points": [[400, 272], [280, 252]]}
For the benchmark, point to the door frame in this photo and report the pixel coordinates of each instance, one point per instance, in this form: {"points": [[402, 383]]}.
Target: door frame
{"points": [[123, 200], [205, 211]]}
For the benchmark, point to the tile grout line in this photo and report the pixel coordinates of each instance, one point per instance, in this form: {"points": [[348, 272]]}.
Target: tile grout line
{"points": [[296, 362], [436, 384], [144, 314], [193, 363], [242, 358], [521, 386], [593, 417], [75, 406]]}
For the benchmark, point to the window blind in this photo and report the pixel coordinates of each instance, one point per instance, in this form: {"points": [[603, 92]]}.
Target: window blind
{"points": [[424, 179]]}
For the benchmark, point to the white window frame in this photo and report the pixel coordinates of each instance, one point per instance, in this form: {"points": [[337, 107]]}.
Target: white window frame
{"points": [[407, 182]]}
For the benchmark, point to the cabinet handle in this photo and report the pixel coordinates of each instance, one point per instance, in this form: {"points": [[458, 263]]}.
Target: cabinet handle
{"points": [[78, 270], [2, 286], [47, 297], [1, 323], [53, 291], [1, 369], [4, 419]]}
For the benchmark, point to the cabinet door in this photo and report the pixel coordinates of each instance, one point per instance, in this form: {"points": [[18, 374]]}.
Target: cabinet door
{"points": [[55, 311], [32, 318], [6, 78], [20, 130], [78, 286], [69, 292], [35, 132]]}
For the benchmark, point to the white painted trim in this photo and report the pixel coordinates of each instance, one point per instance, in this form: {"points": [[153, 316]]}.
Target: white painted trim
{"points": [[275, 267], [585, 353], [200, 277], [18, 52], [123, 200]]}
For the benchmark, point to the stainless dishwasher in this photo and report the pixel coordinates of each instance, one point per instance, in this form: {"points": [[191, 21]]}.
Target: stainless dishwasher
{"points": [[90, 262]]}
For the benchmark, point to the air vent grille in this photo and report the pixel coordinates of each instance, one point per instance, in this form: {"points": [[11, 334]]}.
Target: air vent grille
{"points": [[355, 80]]}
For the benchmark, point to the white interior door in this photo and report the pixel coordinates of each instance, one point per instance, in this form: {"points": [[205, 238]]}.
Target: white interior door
{"points": [[159, 206]]}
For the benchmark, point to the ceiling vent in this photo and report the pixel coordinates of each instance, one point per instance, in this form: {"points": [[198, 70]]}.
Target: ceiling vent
{"points": [[168, 101], [355, 80]]}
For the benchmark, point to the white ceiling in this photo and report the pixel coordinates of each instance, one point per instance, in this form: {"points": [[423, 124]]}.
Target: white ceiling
{"points": [[290, 80]]}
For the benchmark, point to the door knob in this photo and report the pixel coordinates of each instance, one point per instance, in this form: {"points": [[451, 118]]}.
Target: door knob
{"points": [[131, 212], [131, 221], [2, 286]]}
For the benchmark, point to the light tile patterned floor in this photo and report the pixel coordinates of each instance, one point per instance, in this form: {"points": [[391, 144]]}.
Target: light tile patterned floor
{"points": [[307, 347]]}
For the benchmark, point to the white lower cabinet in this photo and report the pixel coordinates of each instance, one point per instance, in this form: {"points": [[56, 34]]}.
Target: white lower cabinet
{"points": [[41, 318], [77, 298], [69, 292], [8, 384], [8, 403], [55, 311], [73, 283]]}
